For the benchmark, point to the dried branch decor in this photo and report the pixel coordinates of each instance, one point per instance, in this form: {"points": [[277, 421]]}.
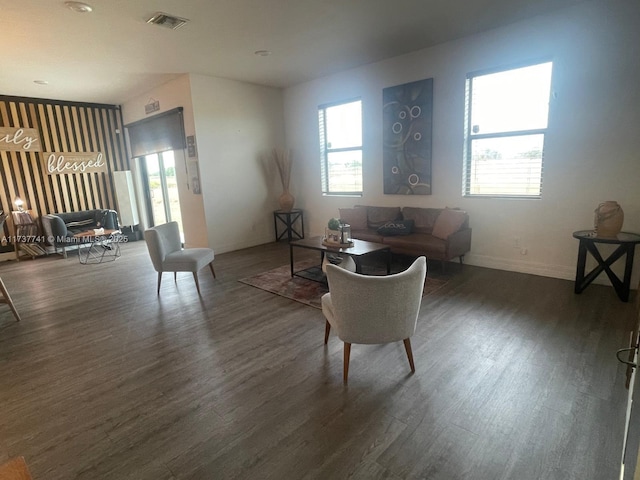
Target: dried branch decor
{"points": [[282, 160]]}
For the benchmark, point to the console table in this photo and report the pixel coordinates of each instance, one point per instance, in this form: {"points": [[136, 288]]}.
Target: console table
{"points": [[626, 243], [288, 220]]}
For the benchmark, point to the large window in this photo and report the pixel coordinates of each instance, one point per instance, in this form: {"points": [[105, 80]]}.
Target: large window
{"points": [[341, 148], [506, 121]]}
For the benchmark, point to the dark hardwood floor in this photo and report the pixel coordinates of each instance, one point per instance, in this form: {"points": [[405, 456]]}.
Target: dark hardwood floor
{"points": [[516, 378]]}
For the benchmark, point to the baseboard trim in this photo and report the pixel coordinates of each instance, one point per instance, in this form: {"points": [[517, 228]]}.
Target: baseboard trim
{"points": [[542, 269], [249, 242]]}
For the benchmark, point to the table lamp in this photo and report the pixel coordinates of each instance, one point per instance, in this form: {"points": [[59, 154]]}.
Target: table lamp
{"points": [[18, 202]]}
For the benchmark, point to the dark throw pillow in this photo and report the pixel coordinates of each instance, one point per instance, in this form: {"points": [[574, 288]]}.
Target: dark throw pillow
{"points": [[396, 227]]}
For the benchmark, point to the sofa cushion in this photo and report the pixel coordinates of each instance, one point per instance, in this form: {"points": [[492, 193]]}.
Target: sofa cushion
{"points": [[396, 227], [448, 222], [418, 242], [368, 235], [378, 216], [356, 217], [424, 218]]}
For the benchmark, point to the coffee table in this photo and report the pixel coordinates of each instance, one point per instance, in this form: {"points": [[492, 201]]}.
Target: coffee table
{"points": [[360, 249], [103, 247]]}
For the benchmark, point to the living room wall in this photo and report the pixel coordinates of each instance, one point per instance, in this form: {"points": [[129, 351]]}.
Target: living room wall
{"points": [[235, 123], [175, 93], [592, 147]]}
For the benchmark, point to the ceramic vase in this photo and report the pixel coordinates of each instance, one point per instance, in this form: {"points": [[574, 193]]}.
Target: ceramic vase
{"points": [[286, 201], [608, 219]]}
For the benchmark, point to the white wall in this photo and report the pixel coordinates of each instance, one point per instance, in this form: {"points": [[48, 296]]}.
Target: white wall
{"points": [[236, 123], [592, 149], [173, 94]]}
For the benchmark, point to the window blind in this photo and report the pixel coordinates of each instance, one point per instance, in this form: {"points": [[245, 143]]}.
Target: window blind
{"points": [[159, 133]]}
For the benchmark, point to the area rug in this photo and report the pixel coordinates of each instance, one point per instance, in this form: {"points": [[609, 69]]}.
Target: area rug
{"points": [[309, 292]]}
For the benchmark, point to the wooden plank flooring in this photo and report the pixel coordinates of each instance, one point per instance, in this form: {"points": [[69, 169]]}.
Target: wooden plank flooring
{"points": [[516, 378]]}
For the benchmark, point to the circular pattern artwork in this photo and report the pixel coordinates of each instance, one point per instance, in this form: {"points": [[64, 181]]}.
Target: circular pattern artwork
{"points": [[407, 117]]}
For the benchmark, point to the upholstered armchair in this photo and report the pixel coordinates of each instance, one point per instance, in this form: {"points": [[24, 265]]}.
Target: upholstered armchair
{"points": [[373, 309], [167, 255]]}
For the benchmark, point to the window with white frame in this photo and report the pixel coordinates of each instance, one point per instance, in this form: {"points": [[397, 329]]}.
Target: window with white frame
{"points": [[341, 148], [506, 120]]}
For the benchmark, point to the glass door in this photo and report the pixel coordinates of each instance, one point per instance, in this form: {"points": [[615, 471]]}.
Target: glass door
{"points": [[161, 185]]}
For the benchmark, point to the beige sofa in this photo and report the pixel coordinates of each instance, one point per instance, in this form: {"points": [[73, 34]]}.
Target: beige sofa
{"points": [[438, 233]]}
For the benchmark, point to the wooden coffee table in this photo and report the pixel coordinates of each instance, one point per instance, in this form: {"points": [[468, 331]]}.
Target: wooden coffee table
{"points": [[360, 249]]}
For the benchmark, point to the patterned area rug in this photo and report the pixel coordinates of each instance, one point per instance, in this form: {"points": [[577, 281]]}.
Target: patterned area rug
{"points": [[309, 292]]}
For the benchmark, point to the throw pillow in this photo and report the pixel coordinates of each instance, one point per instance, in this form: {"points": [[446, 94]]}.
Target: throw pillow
{"points": [[448, 222], [356, 217], [396, 227]]}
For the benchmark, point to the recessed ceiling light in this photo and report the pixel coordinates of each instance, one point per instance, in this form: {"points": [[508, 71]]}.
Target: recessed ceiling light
{"points": [[262, 53], [41, 82], [79, 7]]}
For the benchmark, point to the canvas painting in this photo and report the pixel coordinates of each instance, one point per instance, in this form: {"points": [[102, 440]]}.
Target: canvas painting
{"points": [[407, 119]]}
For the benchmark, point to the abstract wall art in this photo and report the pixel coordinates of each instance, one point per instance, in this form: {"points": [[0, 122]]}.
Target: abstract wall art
{"points": [[407, 118]]}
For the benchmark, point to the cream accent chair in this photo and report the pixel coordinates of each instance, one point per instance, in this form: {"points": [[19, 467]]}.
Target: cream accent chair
{"points": [[167, 255], [373, 309]]}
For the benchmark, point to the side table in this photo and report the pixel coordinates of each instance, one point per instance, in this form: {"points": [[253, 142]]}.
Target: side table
{"points": [[626, 242], [288, 220]]}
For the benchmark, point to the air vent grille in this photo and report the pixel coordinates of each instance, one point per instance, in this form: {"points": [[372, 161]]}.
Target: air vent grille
{"points": [[167, 21]]}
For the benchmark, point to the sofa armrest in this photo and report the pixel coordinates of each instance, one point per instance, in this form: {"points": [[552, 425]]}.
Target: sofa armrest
{"points": [[459, 243], [54, 227], [110, 219]]}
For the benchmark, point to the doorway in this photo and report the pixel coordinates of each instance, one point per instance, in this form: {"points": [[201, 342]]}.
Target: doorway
{"points": [[161, 189]]}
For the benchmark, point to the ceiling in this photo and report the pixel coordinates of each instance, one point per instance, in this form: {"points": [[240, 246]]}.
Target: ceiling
{"points": [[111, 54]]}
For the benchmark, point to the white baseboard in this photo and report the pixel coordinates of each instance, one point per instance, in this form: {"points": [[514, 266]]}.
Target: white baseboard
{"points": [[248, 242], [533, 268]]}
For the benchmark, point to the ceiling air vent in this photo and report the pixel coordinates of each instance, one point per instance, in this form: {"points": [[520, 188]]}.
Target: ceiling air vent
{"points": [[168, 21]]}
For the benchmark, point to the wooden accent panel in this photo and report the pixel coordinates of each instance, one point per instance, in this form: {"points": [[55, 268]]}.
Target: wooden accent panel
{"points": [[63, 127]]}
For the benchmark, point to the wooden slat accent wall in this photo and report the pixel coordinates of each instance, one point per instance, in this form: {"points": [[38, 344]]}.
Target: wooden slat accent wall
{"points": [[63, 127]]}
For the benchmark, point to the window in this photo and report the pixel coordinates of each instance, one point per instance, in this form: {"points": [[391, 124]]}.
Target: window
{"points": [[506, 122], [341, 148]]}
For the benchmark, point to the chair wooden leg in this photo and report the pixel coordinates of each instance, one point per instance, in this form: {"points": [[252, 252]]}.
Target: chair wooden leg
{"points": [[15, 468], [347, 354], [175, 277], [212, 270], [8, 301], [407, 347], [327, 329], [195, 277], [159, 281]]}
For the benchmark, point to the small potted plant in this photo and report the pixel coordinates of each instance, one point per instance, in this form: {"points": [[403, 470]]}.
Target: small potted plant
{"points": [[332, 232]]}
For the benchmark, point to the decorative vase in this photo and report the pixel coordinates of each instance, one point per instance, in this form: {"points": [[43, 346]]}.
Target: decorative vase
{"points": [[286, 201], [608, 219]]}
